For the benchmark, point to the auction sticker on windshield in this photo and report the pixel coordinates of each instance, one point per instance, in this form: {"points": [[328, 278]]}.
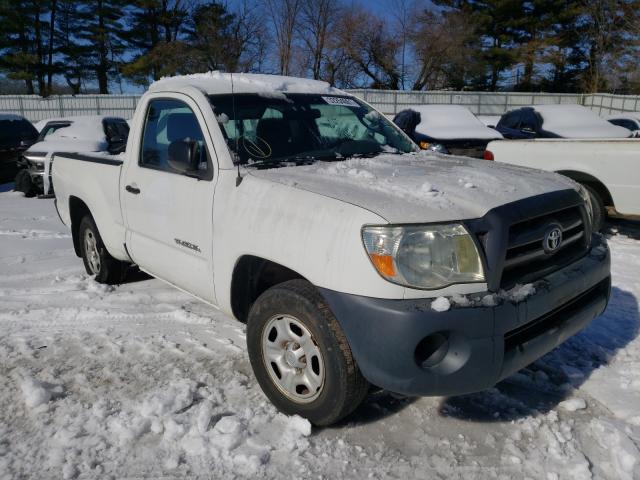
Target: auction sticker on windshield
{"points": [[345, 102]]}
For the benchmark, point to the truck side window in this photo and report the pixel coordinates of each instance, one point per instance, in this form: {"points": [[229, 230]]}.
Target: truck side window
{"points": [[167, 122]]}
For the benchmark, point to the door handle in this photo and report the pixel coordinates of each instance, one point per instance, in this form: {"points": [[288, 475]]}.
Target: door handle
{"points": [[132, 189]]}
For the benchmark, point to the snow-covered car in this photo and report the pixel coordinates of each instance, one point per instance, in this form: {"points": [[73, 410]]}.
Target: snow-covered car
{"points": [[354, 257], [89, 133], [489, 120], [450, 129], [630, 121], [557, 121], [16, 135]]}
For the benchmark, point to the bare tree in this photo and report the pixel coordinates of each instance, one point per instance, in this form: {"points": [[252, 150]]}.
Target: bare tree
{"points": [[403, 12], [439, 46], [317, 19], [251, 36], [371, 47], [284, 14]]}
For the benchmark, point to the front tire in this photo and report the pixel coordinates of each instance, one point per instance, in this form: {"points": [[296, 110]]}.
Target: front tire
{"points": [[599, 211], [300, 355], [97, 261]]}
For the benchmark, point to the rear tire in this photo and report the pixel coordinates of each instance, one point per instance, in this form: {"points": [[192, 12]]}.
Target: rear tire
{"points": [[97, 261], [300, 355], [599, 211]]}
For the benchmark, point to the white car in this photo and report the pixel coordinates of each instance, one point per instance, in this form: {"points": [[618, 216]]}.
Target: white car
{"points": [[89, 133], [354, 258], [450, 129], [630, 121]]}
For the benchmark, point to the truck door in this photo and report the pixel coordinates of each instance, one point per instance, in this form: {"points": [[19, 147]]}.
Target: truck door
{"points": [[168, 211]]}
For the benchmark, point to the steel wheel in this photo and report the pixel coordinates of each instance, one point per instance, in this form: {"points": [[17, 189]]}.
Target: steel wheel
{"points": [[91, 249], [293, 359]]}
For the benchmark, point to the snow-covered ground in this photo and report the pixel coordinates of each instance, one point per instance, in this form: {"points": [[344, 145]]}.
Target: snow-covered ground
{"points": [[141, 380]]}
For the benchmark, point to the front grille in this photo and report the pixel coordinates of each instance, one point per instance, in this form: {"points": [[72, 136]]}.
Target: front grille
{"points": [[526, 258]]}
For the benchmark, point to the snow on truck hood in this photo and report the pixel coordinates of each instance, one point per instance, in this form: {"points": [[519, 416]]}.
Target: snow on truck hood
{"points": [[419, 188]]}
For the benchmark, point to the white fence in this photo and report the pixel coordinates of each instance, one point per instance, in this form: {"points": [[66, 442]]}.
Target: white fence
{"points": [[37, 108], [389, 102]]}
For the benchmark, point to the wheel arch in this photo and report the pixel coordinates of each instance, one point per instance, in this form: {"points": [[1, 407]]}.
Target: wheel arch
{"points": [[252, 276], [597, 185], [77, 210]]}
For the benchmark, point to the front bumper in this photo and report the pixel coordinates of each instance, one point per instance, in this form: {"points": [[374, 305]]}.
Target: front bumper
{"points": [[407, 347]]}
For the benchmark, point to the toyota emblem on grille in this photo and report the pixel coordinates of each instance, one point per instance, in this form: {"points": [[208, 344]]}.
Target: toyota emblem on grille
{"points": [[552, 239]]}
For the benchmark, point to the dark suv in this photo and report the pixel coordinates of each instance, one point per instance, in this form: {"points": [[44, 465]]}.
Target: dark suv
{"points": [[16, 135]]}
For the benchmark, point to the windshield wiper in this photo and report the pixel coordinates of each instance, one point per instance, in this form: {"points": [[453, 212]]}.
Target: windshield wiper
{"points": [[300, 159]]}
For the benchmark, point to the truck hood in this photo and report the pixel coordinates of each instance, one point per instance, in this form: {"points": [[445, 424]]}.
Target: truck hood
{"points": [[421, 187]]}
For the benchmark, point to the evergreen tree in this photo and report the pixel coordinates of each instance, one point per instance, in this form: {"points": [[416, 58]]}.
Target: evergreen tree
{"points": [[24, 33], [101, 25], [155, 33]]}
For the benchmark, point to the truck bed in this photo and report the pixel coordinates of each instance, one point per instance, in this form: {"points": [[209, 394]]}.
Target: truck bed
{"points": [[613, 162], [94, 178]]}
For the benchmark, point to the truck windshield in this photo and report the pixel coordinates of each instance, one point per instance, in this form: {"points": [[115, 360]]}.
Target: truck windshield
{"points": [[267, 130]]}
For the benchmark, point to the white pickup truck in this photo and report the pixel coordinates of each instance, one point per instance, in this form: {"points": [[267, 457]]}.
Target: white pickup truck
{"points": [[354, 259], [609, 168]]}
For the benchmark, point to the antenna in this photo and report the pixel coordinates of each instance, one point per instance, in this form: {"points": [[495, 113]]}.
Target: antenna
{"points": [[236, 157]]}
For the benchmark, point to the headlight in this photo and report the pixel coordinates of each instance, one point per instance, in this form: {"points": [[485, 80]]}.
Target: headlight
{"points": [[587, 202], [434, 147], [438, 147], [423, 256]]}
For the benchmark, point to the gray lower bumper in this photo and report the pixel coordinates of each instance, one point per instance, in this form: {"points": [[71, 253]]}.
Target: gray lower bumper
{"points": [[472, 347]]}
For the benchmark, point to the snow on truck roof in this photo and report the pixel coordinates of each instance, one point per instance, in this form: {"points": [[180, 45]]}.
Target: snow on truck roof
{"points": [[451, 122], [218, 82], [576, 121]]}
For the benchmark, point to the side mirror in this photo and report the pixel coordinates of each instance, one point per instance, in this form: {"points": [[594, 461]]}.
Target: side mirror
{"points": [[182, 156], [117, 145]]}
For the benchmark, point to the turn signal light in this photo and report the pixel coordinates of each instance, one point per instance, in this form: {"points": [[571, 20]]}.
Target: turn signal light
{"points": [[384, 264]]}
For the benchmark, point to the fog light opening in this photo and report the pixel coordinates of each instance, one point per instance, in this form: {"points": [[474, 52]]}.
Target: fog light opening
{"points": [[432, 349]]}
